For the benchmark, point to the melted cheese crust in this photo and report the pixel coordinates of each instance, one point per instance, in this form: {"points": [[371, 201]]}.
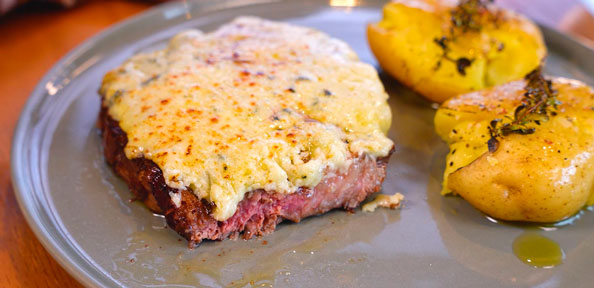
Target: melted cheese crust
{"points": [[253, 105]]}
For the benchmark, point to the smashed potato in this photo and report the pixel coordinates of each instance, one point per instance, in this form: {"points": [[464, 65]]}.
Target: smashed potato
{"points": [[546, 175], [440, 49]]}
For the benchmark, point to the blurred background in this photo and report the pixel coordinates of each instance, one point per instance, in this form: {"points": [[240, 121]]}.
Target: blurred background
{"points": [[37, 33]]}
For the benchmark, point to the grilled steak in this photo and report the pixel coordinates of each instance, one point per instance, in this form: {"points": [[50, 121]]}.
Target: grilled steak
{"points": [[234, 131], [257, 214]]}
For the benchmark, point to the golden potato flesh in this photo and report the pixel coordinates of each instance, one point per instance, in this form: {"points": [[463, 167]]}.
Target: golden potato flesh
{"points": [[546, 176], [506, 47]]}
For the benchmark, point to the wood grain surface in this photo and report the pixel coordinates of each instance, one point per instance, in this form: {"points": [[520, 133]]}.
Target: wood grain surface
{"points": [[31, 42], [33, 39]]}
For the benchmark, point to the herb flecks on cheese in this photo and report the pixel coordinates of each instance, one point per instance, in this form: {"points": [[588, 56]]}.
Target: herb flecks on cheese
{"points": [[253, 105]]}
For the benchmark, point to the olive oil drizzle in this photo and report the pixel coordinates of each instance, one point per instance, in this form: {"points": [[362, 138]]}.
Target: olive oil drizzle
{"points": [[537, 250]]}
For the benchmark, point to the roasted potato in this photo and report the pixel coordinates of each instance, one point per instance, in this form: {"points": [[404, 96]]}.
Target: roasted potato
{"points": [[545, 176], [420, 44]]}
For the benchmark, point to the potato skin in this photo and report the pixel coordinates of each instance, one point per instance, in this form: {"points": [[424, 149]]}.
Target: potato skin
{"points": [[403, 42], [542, 177]]}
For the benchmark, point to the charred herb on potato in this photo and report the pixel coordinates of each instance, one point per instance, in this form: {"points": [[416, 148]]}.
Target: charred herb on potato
{"points": [[538, 105], [467, 16], [461, 63]]}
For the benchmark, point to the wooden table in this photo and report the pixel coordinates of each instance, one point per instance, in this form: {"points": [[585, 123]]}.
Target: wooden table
{"points": [[34, 39]]}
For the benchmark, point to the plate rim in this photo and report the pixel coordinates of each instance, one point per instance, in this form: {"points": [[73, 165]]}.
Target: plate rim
{"points": [[24, 196]]}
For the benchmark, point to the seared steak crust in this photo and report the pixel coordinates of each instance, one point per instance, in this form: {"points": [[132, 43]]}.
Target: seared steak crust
{"points": [[257, 214]]}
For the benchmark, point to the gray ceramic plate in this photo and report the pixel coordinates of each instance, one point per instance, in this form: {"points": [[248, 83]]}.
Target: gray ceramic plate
{"points": [[82, 214]]}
